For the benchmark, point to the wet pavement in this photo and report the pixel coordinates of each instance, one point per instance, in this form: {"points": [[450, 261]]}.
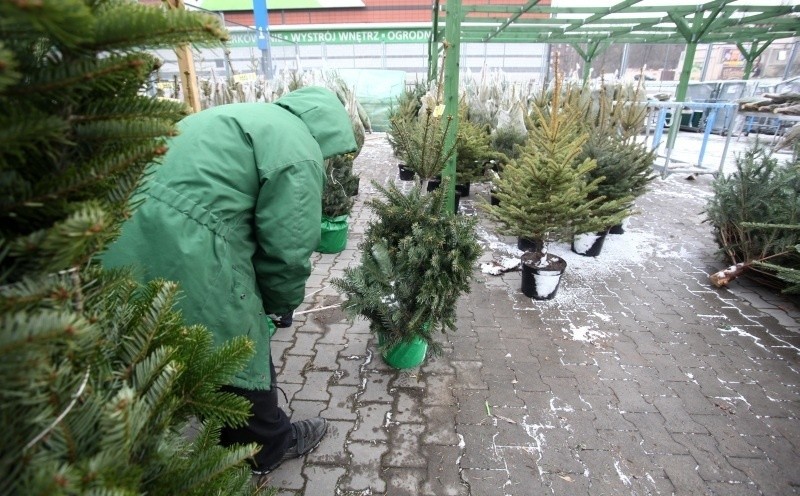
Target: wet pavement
{"points": [[638, 378]]}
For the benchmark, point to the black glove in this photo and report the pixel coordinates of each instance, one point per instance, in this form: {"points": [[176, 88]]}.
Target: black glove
{"points": [[282, 320]]}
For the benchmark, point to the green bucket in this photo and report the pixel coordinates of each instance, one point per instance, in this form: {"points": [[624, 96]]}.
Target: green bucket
{"points": [[333, 238], [405, 354]]}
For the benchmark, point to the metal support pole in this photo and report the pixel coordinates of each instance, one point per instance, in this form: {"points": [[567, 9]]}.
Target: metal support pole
{"points": [[451, 75], [788, 71], [706, 61], [623, 65], [261, 18], [680, 93]]}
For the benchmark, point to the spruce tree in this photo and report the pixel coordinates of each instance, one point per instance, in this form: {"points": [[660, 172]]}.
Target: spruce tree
{"points": [[416, 261], [340, 183], [100, 376], [624, 165], [755, 212], [474, 149], [544, 195]]}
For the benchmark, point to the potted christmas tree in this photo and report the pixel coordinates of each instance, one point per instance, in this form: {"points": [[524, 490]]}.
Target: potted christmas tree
{"points": [[416, 261], [624, 165], [337, 201], [545, 196]]}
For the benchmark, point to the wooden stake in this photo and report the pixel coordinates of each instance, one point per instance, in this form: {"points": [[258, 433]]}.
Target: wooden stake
{"points": [[191, 94]]}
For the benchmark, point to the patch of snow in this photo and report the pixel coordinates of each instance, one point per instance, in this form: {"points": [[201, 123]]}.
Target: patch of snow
{"points": [[624, 478], [584, 242], [585, 333], [553, 408], [546, 281], [742, 333], [602, 316]]}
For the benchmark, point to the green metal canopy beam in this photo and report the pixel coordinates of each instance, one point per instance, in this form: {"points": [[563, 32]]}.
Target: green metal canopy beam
{"points": [[451, 75], [611, 10], [433, 44], [751, 55], [593, 49], [510, 20]]}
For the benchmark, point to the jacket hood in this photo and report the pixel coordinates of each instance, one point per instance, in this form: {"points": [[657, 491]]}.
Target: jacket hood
{"points": [[325, 117]]}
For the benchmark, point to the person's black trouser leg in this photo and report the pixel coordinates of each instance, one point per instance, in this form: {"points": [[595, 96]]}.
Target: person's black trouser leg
{"points": [[268, 426]]}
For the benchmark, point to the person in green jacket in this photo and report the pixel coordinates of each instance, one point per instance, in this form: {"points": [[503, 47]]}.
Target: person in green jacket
{"points": [[233, 214]]}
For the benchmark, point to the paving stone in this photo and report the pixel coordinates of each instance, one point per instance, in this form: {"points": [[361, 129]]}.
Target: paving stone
{"points": [[293, 368], [440, 425], [629, 397], [322, 479], [672, 400], [325, 356], [315, 387], [468, 374], [675, 417], [341, 404], [439, 389], [768, 476], [349, 371], [405, 446], [332, 449], [364, 472], [372, 422], [471, 406], [376, 389], [479, 449], [443, 477], [403, 481], [301, 409]]}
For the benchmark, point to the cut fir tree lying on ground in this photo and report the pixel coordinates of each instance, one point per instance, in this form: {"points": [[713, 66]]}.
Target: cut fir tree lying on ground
{"points": [[755, 212]]}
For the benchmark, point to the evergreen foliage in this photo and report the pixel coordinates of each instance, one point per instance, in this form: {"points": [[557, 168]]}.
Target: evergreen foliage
{"points": [[340, 185], [755, 212], [544, 195], [416, 261], [507, 141], [474, 149], [624, 166], [421, 144], [100, 376], [406, 110]]}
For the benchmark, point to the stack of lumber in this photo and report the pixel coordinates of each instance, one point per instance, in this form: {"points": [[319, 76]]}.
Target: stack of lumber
{"points": [[783, 103]]}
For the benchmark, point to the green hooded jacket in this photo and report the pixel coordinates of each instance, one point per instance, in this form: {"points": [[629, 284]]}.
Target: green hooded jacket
{"points": [[233, 214]]}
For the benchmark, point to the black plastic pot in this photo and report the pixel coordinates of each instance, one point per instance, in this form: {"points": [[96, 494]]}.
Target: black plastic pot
{"points": [[436, 182], [591, 250], [541, 283], [618, 229], [526, 244], [406, 174], [494, 200], [463, 189]]}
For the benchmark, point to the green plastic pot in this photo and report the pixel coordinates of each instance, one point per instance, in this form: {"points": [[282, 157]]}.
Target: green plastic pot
{"points": [[405, 354], [333, 238]]}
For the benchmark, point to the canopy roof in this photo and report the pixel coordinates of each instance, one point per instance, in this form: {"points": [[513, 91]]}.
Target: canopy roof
{"points": [[628, 21]]}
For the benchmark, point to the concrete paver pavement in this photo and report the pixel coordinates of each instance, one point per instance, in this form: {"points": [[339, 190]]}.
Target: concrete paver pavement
{"points": [[638, 378]]}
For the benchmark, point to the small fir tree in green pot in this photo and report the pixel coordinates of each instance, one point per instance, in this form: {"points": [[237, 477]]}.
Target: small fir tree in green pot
{"points": [[337, 202], [416, 262], [544, 195]]}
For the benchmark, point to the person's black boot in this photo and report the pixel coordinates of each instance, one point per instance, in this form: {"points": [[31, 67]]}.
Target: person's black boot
{"points": [[307, 435]]}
